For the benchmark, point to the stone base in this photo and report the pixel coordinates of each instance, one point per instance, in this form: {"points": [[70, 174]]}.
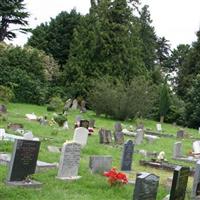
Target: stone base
{"points": [[32, 184], [71, 178]]}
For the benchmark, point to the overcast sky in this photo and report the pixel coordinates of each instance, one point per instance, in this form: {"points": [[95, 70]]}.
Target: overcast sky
{"points": [[177, 20]]}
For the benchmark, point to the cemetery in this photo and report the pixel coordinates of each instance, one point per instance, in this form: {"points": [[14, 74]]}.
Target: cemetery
{"points": [[70, 163]]}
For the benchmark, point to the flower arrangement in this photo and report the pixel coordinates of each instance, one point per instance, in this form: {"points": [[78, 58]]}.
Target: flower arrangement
{"points": [[115, 177]]}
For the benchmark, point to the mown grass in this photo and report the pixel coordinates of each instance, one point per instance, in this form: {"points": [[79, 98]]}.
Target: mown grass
{"points": [[89, 187]]}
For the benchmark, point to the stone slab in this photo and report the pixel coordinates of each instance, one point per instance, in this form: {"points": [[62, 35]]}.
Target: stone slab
{"points": [[32, 184]]}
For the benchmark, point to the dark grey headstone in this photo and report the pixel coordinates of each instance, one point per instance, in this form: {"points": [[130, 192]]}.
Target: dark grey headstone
{"points": [[118, 127], [127, 156], [105, 136], [196, 183], [84, 123], [92, 123], [146, 187], [119, 137], [23, 159], [179, 183], [180, 134]]}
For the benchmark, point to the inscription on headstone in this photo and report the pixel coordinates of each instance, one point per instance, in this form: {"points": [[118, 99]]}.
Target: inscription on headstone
{"points": [[69, 161], [23, 159], [146, 187], [127, 155], [179, 183]]}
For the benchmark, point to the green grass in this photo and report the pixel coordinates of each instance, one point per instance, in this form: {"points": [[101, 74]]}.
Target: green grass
{"points": [[89, 187]]}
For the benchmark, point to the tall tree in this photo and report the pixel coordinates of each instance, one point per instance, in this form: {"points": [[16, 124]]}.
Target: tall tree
{"points": [[12, 12]]}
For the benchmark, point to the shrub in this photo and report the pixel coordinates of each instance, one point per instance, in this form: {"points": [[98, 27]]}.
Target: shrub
{"points": [[60, 119], [56, 104], [6, 94]]}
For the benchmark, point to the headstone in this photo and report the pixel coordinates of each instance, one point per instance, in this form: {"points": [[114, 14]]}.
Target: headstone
{"points": [[78, 119], [92, 123], [127, 156], [68, 104], [3, 108], [84, 123], [180, 134], [31, 116], [146, 187], [28, 135], [119, 137], [81, 136], [15, 126], [65, 125], [75, 104], [2, 133], [196, 183], [100, 164], [179, 183], [69, 161], [118, 127], [23, 161], [159, 127], [177, 151], [83, 108], [105, 136], [196, 147], [139, 137]]}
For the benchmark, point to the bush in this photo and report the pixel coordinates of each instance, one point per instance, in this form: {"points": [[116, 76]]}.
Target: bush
{"points": [[120, 101], [60, 119], [6, 94], [56, 104]]}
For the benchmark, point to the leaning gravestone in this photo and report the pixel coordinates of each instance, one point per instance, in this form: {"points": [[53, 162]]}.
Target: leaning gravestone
{"points": [[84, 123], [69, 161], [179, 183], [81, 136], [146, 187], [105, 136], [100, 164], [177, 151], [196, 183], [23, 163], [127, 156]]}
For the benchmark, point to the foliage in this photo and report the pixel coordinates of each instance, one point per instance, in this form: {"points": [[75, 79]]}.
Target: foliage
{"points": [[55, 104], [120, 101], [6, 94], [115, 177], [12, 13], [60, 119]]}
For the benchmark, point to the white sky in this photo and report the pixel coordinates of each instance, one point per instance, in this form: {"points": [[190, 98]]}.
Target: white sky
{"points": [[176, 20]]}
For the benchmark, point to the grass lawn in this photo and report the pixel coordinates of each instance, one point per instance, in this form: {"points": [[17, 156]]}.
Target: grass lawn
{"points": [[89, 187]]}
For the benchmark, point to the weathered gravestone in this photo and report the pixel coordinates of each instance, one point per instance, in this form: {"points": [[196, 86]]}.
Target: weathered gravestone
{"points": [[139, 137], [84, 123], [74, 104], [196, 147], [69, 161], [179, 183], [196, 183], [158, 127], [118, 127], [146, 187], [100, 164], [23, 163], [83, 106], [81, 136], [68, 104], [105, 136], [177, 151], [180, 134], [127, 156], [3, 108], [119, 137], [91, 123]]}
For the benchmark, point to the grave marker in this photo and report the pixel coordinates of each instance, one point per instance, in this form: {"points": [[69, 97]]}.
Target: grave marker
{"points": [[105, 136], [177, 151], [119, 137], [81, 136]]}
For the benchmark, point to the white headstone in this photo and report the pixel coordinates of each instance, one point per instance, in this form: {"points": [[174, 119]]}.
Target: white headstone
{"points": [[81, 136], [31, 116], [65, 125], [69, 161], [28, 135], [159, 127], [196, 147]]}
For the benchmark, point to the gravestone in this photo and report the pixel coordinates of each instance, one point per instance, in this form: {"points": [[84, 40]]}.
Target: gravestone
{"points": [[15, 126], [119, 137], [3, 108], [180, 134], [81, 136], [146, 187], [28, 135], [100, 164], [2, 133], [83, 108], [91, 123], [139, 137], [196, 182], [68, 104], [74, 104], [118, 127], [127, 156], [196, 147], [177, 151], [23, 162], [69, 161], [179, 183], [158, 127], [78, 119], [84, 123], [105, 136]]}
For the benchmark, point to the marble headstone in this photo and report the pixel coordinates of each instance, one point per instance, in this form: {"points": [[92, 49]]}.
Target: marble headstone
{"points": [[179, 183], [127, 156], [81, 136], [146, 187], [177, 151], [100, 164], [196, 183], [69, 161]]}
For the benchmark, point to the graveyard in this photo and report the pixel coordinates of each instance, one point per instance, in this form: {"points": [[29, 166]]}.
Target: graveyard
{"points": [[86, 180]]}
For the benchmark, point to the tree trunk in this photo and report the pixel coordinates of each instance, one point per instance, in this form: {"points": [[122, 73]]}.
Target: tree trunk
{"points": [[162, 119]]}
